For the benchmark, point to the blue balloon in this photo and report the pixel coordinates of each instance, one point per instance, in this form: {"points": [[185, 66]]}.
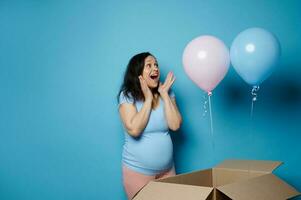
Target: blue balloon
{"points": [[254, 55]]}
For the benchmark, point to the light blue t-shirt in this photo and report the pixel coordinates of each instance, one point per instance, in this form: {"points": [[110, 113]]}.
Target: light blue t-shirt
{"points": [[152, 152]]}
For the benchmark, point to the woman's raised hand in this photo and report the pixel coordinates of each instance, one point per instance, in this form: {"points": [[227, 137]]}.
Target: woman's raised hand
{"points": [[164, 88], [148, 95]]}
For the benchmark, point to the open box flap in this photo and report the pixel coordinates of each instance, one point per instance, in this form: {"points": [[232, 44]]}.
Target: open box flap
{"points": [[167, 191], [197, 178], [267, 186], [249, 165]]}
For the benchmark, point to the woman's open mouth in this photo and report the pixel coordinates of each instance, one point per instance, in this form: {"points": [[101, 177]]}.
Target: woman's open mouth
{"points": [[154, 77]]}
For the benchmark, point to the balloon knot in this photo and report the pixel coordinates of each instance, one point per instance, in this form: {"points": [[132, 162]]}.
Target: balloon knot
{"points": [[254, 92]]}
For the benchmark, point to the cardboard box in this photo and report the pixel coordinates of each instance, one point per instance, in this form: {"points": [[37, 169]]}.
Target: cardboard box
{"points": [[232, 179]]}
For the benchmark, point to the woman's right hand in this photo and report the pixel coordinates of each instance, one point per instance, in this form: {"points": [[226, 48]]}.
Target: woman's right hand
{"points": [[148, 95]]}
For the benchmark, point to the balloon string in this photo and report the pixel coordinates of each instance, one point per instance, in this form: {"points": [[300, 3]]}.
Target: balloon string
{"points": [[211, 124], [212, 136], [252, 108], [205, 105], [254, 99]]}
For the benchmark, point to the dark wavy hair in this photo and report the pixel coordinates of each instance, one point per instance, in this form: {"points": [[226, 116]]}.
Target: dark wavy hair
{"points": [[131, 85]]}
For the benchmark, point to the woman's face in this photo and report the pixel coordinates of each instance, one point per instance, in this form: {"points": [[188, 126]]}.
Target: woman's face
{"points": [[151, 72]]}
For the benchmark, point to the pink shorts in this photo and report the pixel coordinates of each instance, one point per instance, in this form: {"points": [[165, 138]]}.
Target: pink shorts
{"points": [[134, 181]]}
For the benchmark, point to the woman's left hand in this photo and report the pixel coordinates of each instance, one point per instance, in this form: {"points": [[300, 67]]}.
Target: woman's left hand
{"points": [[164, 88]]}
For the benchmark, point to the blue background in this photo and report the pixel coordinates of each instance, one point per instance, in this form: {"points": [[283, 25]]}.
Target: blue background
{"points": [[62, 63]]}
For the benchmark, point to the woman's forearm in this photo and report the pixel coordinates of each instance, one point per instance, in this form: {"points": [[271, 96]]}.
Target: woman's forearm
{"points": [[140, 119], [172, 114]]}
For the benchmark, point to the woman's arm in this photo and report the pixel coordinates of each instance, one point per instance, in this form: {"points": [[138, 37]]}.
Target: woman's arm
{"points": [[172, 113], [135, 121], [173, 116]]}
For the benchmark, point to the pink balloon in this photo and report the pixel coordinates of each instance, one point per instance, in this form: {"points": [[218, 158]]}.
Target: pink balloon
{"points": [[206, 61]]}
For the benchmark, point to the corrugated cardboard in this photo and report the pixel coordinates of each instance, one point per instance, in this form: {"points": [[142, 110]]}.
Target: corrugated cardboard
{"points": [[232, 179]]}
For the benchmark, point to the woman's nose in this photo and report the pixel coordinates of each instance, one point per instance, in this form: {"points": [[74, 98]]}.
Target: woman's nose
{"points": [[156, 68]]}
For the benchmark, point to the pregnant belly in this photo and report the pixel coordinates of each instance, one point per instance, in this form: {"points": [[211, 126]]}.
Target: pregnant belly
{"points": [[153, 151]]}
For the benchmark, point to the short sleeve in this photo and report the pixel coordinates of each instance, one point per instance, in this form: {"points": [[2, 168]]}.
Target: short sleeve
{"points": [[171, 94], [124, 99]]}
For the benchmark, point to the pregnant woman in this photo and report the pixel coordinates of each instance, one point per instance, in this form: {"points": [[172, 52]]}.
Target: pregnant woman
{"points": [[148, 111]]}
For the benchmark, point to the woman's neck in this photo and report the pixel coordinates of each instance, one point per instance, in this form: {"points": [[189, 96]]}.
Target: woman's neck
{"points": [[155, 101]]}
